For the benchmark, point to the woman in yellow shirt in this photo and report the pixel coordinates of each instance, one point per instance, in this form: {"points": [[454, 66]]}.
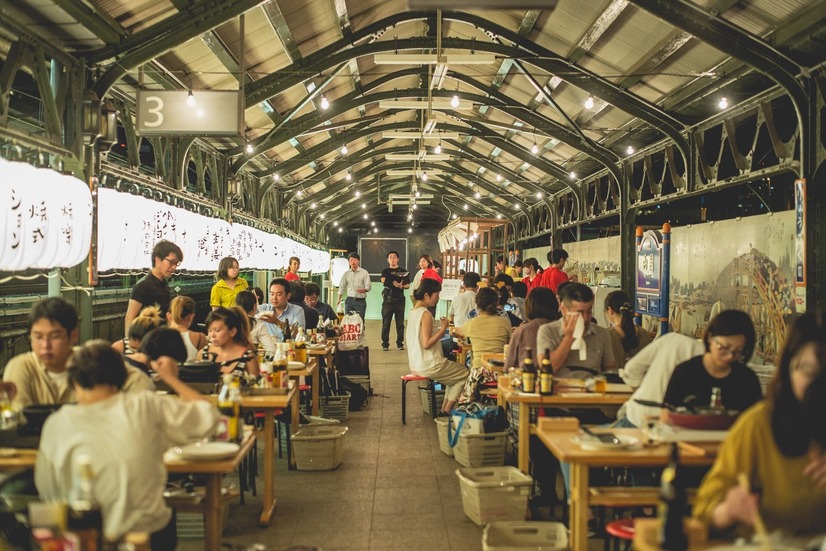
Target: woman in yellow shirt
{"points": [[779, 445], [228, 285]]}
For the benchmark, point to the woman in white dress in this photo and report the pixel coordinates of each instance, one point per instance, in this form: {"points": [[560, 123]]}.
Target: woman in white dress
{"points": [[424, 345]]}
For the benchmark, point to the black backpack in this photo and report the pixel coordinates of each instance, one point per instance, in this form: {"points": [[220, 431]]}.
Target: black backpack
{"points": [[358, 395]]}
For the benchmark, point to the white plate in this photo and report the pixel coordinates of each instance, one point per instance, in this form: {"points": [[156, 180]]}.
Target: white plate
{"points": [[592, 444], [292, 364], [207, 450]]}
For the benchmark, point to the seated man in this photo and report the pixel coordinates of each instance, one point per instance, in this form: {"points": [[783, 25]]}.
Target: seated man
{"points": [[112, 429], [311, 298], [40, 375], [281, 312]]}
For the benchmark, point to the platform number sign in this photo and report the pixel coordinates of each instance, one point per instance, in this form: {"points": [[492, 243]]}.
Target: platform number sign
{"points": [[173, 113]]}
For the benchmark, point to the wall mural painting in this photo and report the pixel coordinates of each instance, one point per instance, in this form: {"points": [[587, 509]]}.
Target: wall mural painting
{"points": [[750, 269]]}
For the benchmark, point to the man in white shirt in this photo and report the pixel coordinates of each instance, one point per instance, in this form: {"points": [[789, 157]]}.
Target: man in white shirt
{"points": [[461, 306], [355, 284], [281, 311]]}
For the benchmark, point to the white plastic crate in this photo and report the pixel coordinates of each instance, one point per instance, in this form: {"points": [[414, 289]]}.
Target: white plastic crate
{"points": [[494, 493], [424, 393], [480, 450], [519, 536], [319, 448], [441, 429], [335, 407]]}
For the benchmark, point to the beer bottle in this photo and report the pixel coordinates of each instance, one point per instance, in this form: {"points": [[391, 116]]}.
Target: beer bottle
{"points": [[546, 376], [84, 521], [301, 346], [672, 507], [528, 373], [229, 404]]}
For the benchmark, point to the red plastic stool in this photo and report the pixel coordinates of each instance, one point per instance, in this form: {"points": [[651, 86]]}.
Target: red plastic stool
{"points": [[622, 529], [413, 377]]}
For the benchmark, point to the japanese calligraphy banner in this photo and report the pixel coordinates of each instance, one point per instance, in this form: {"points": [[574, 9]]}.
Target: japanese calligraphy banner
{"points": [[129, 226], [47, 218]]}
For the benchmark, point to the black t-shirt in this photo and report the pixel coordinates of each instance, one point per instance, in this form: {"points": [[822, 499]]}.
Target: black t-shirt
{"points": [[394, 274], [150, 290], [740, 388]]}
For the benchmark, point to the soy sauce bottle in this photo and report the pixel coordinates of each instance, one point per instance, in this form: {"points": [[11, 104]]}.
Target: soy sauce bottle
{"points": [[546, 375], [673, 506], [528, 372]]}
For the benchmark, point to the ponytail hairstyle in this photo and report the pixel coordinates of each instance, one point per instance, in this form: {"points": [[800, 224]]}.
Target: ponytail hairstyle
{"points": [[233, 317], [247, 301], [428, 286], [181, 308], [148, 319], [620, 302], [487, 300]]}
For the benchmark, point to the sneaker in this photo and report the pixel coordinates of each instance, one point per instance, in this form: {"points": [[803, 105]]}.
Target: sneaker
{"points": [[401, 347], [385, 348]]}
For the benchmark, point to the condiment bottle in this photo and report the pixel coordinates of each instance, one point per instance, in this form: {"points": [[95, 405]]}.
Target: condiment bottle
{"points": [[229, 404], [528, 373], [300, 345], [546, 375]]}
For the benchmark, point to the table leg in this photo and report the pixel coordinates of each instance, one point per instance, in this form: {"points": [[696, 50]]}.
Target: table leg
{"points": [[578, 521], [316, 384], [294, 424], [268, 498], [212, 513], [524, 452]]}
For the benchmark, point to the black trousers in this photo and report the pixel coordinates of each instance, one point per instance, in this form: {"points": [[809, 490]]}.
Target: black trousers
{"points": [[388, 310]]}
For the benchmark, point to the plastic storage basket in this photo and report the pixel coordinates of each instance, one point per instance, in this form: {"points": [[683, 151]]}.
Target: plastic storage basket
{"points": [[424, 393], [518, 536], [335, 407], [441, 430], [480, 450], [319, 448], [494, 493]]}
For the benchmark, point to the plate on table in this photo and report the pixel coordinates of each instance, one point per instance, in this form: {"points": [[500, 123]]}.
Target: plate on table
{"points": [[207, 451], [590, 443], [292, 364]]}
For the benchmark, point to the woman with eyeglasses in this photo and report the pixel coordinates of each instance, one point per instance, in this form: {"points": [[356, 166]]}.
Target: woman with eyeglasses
{"points": [[228, 285], [729, 343], [779, 446]]}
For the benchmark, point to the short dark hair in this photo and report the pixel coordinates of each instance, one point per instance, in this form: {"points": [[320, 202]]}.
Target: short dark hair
{"points": [[471, 280], [542, 303], [519, 289], [96, 363], [576, 292], [224, 266], [729, 323], [164, 341], [259, 294], [298, 292], [428, 286], [487, 300], [556, 255], [502, 259], [234, 318], [163, 247], [354, 255], [517, 264], [312, 288], [392, 252], [56, 310], [437, 264], [246, 300], [504, 278], [285, 284]]}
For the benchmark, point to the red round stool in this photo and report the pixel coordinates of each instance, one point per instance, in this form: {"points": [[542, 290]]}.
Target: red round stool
{"points": [[413, 377], [622, 529]]}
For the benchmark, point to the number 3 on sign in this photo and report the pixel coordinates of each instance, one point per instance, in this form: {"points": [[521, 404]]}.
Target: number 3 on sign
{"points": [[157, 111]]}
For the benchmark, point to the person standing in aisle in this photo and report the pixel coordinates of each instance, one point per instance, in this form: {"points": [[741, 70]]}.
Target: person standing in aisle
{"points": [[153, 288], [228, 285], [355, 284], [395, 280], [553, 276], [292, 271]]}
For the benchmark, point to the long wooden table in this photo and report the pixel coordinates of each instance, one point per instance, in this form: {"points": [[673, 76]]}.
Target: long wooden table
{"points": [[506, 394], [560, 444], [212, 470]]}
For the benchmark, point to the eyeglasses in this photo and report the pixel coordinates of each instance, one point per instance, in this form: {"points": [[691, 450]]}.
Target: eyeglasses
{"points": [[173, 262], [727, 350]]}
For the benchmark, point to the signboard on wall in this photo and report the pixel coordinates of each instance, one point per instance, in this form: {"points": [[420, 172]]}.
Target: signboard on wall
{"points": [[173, 113], [649, 296]]}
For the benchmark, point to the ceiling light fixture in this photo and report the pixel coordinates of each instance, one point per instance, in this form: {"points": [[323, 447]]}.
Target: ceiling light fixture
{"points": [[364, 206], [589, 103], [454, 101], [438, 149], [376, 230], [409, 230], [630, 150], [325, 103], [344, 149], [723, 103], [335, 224], [298, 193], [364, 216], [418, 194], [348, 177], [498, 177], [498, 215], [358, 193], [478, 195], [424, 176], [414, 206], [248, 148], [190, 99], [539, 195], [535, 148], [340, 230], [313, 205], [276, 177], [572, 175], [373, 223], [465, 206]]}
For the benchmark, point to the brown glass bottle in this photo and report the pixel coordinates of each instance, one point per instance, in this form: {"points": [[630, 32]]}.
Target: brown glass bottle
{"points": [[546, 375], [528, 372]]}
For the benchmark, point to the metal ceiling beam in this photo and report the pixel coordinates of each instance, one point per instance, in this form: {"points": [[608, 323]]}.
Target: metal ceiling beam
{"points": [[166, 35], [94, 20]]}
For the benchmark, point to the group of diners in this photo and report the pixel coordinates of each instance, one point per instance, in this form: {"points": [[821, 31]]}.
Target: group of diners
{"points": [[779, 441]]}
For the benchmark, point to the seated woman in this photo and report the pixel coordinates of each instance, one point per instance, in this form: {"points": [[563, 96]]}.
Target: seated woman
{"points": [[248, 302], [779, 445], [488, 333], [180, 316], [112, 428], [148, 319], [729, 342], [424, 349], [626, 338], [541, 307], [229, 341]]}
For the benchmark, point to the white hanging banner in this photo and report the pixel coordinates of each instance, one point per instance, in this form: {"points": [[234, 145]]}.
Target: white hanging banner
{"points": [[129, 226], [46, 218]]}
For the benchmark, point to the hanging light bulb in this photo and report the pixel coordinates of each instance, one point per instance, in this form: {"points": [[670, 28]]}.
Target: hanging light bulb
{"points": [[348, 177], [535, 149], [313, 205], [190, 99], [409, 230], [335, 224], [322, 216], [438, 148], [498, 177], [373, 223], [465, 206], [539, 195], [340, 230], [418, 194], [630, 150], [723, 103], [376, 230], [358, 193], [364, 205], [344, 149], [325, 103], [298, 193], [364, 216], [424, 176], [414, 206], [478, 195], [498, 215], [589, 103], [248, 148], [454, 101], [572, 175]]}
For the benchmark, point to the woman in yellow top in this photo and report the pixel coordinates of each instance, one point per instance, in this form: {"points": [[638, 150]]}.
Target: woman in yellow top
{"points": [[779, 445], [229, 284], [488, 332], [626, 338]]}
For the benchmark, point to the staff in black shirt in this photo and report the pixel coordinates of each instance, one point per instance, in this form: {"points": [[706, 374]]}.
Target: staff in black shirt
{"points": [[395, 280]]}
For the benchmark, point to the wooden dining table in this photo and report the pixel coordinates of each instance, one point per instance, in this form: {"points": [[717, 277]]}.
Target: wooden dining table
{"points": [[213, 471], [558, 438], [312, 370], [508, 394]]}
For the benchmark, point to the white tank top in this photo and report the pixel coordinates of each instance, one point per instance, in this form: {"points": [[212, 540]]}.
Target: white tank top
{"points": [[419, 357], [191, 351]]}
